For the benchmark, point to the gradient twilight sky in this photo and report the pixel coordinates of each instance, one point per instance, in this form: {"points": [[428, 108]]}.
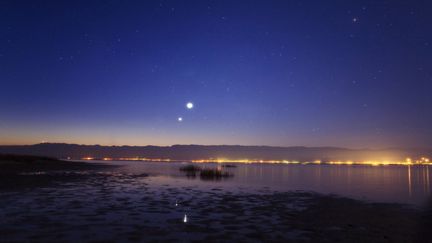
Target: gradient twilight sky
{"points": [[315, 73]]}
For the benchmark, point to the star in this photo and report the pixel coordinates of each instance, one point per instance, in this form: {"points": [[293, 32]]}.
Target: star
{"points": [[355, 19], [180, 119], [189, 105]]}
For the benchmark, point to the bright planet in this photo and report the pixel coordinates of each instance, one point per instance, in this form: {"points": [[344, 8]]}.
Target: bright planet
{"points": [[189, 105]]}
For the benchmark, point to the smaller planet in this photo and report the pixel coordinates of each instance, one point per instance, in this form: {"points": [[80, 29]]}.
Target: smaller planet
{"points": [[180, 119], [189, 105]]}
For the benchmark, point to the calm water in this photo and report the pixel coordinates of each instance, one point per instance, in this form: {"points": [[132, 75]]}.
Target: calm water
{"points": [[401, 184], [154, 201]]}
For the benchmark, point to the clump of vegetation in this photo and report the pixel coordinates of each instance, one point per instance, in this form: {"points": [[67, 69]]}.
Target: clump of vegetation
{"points": [[213, 174], [190, 168], [205, 174], [229, 166]]}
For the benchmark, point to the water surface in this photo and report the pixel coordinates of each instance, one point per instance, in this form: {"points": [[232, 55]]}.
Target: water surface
{"points": [[148, 201], [399, 184]]}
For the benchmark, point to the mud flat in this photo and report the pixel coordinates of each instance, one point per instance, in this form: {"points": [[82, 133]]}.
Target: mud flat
{"points": [[107, 205]]}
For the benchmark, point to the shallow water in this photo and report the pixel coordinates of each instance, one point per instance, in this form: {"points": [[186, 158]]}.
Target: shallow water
{"points": [[148, 201], [390, 184]]}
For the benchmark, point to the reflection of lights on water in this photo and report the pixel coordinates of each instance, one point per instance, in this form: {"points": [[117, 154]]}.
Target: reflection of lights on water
{"points": [[409, 180], [185, 219], [427, 180]]}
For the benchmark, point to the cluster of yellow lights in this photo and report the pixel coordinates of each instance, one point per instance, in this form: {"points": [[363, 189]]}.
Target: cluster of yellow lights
{"points": [[130, 159], [408, 161]]}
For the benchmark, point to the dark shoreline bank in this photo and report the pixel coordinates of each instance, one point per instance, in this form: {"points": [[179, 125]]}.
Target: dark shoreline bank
{"points": [[13, 164], [22, 171]]}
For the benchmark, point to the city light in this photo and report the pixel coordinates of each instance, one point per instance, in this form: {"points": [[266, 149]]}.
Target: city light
{"points": [[407, 161]]}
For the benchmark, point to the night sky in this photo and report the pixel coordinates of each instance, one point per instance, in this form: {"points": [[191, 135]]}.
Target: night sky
{"points": [[314, 73]]}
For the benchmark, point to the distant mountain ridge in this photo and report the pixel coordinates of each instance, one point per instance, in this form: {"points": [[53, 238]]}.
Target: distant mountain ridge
{"points": [[195, 152]]}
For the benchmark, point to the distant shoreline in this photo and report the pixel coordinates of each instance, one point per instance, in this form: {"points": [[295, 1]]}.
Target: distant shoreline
{"points": [[223, 153], [227, 161]]}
